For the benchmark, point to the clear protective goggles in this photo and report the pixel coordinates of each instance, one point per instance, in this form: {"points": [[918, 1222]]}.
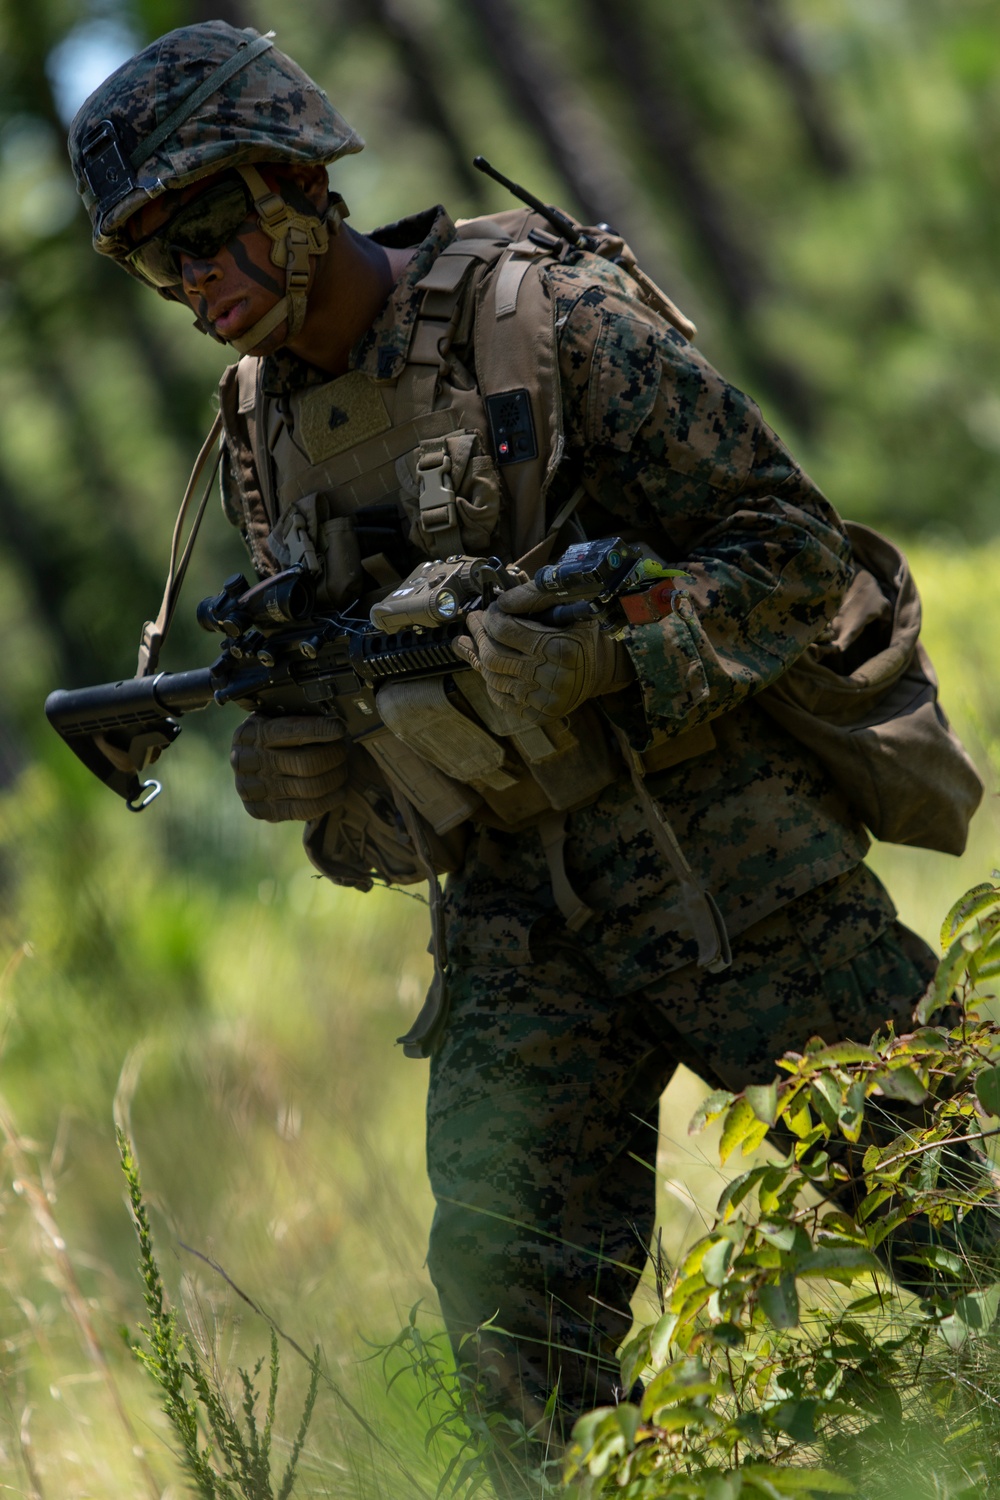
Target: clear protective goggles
{"points": [[199, 229]]}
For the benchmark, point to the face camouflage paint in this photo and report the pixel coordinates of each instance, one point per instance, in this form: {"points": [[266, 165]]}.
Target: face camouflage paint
{"points": [[254, 272]]}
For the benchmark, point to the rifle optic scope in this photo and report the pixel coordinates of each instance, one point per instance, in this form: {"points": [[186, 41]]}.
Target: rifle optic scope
{"points": [[282, 600]]}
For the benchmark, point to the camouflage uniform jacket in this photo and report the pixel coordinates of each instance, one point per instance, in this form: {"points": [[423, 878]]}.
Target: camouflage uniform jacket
{"points": [[665, 448]]}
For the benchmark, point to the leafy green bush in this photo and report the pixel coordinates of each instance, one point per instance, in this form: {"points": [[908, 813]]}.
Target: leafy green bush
{"points": [[786, 1360]]}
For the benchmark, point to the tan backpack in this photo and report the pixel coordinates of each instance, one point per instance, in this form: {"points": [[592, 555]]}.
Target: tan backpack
{"points": [[864, 699]]}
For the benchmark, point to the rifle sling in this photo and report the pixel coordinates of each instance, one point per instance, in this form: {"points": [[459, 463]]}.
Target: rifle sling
{"points": [[154, 632]]}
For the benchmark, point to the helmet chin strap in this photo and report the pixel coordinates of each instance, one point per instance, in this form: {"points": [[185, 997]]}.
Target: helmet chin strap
{"points": [[294, 238]]}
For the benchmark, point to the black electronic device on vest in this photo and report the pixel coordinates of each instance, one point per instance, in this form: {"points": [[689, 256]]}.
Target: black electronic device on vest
{"points": [[511, 426]]}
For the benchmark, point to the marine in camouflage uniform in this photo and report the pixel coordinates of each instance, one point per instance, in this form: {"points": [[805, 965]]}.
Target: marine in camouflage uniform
{"points": [[544, 1085]]}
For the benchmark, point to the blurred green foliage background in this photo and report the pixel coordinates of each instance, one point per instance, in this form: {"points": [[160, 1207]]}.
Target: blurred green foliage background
{"points": [[815, 182]]}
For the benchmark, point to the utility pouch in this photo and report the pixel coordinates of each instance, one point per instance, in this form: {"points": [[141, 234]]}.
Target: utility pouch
{"points": [[450, 492], [440, 800], [865, 702], [326, 545], [370, 839], [569, 759]]}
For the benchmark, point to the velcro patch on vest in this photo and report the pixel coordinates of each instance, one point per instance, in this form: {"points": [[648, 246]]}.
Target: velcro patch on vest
{"points": [[511, 426], [339, 415]]}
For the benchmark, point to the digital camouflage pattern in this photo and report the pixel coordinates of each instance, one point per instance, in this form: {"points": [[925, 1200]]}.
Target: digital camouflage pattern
{"points": [[543, 1114], [672, 453], [664, 444], [268, 111]]}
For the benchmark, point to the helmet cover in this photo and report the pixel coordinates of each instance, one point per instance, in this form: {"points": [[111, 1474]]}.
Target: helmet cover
{"points": [[199, 100]]}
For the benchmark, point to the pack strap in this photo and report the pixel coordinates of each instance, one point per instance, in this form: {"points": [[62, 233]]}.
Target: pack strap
{"points": [[154, 632], [424, 1034], [699, 905], [439, 525], [540, 553], [552, 832]]}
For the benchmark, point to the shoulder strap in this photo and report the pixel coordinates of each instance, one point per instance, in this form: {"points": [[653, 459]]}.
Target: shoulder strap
{"points": [[242, 418], [516, 357], [154, 632]]}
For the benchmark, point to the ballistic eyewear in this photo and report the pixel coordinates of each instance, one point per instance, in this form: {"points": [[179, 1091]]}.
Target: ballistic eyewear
{"points": [[199, 229]]}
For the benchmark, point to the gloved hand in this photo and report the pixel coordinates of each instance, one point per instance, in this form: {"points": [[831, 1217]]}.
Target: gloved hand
{"points": [[542, 671], [289, 769]]}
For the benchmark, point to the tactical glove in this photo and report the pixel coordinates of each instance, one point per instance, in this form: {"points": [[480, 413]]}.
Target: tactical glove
{"points": [[290, 769], [542, 671]]}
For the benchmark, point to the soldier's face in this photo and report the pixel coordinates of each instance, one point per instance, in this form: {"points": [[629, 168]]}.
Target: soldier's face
{"points": [[230, 286]]}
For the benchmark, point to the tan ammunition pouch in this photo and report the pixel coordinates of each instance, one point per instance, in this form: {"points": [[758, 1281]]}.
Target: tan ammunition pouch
{"points": [[371, 836]]}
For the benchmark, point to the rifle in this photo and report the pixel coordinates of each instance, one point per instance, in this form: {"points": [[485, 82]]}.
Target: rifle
{"points": [[282, 656]]}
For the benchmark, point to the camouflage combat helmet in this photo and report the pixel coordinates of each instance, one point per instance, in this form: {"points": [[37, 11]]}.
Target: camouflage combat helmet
{"points": [[200, 100]]}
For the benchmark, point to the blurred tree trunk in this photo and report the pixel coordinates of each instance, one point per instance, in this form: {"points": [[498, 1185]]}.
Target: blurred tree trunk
{"points": [[425, 97], [543, 96], [775, 37], [49, 569], [52, 556], [672, 132], [31, 31]]}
